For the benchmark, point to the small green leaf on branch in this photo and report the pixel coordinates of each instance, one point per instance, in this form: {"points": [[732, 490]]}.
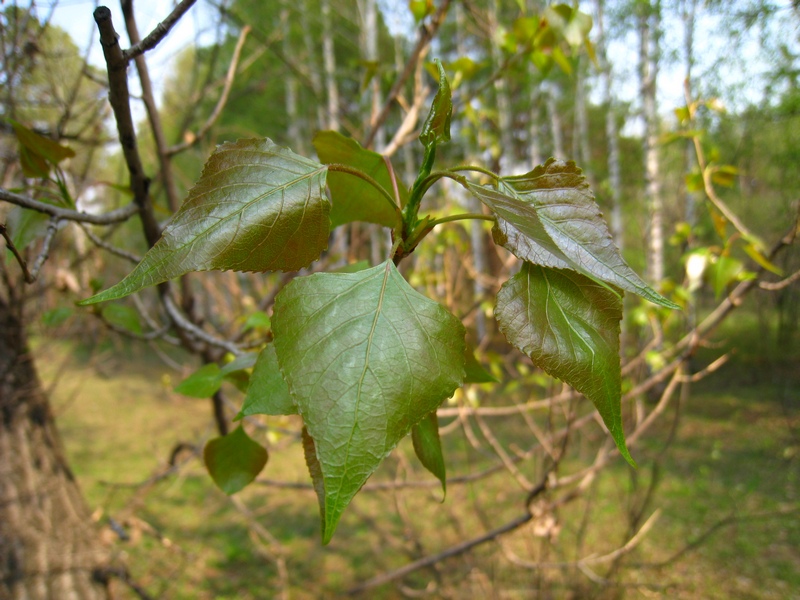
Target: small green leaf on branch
{"points": [[234, 460], [428, 447]]}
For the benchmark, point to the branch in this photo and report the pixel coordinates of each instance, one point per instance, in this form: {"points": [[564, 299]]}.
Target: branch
{"points": [[181, 322], [458, 548], [119, 98], [194, 138], [779, 285], [114, 216], [52, 227], [159, 32]]}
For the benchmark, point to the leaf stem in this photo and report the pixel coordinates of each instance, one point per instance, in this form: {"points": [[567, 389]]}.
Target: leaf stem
{"points": [[462, 217], [361, 175], [474, 169]]}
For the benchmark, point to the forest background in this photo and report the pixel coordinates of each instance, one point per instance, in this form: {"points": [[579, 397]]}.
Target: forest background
{"points": [[684, 118]]}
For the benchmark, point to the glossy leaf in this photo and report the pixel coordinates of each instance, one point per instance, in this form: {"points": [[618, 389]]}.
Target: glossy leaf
{"points": [[428, 447], [234, 460], [436, 129], [549, 217], [366, 357], [257, 207], [354, 199], [268, 393], [203, 383], [569, 326]]}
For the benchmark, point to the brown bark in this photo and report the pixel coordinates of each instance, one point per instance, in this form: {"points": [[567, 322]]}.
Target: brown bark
{"points": [[48, 546]]}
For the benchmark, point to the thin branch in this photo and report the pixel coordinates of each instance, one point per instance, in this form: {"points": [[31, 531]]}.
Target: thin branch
{"points": [[97, 241], [159, 32], [109, 218], [10, 245], [779, 285], [194, 138], [52, 228], [182, 322]]}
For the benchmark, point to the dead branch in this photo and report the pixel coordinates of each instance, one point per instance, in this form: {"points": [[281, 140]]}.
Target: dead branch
{"points": [[159, 32], [109, 218]]}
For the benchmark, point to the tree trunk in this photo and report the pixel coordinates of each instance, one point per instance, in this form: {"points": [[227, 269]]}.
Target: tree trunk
{"points": [[48, 546]]}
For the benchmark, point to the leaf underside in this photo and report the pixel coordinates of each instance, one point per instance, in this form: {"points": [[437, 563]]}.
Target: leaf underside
{"points": [[569, 326], [257, 207], [549, 217], [366, 358]]}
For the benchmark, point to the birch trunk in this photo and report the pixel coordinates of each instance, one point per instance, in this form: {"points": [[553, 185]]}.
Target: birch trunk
{"points": [[649, 24]]}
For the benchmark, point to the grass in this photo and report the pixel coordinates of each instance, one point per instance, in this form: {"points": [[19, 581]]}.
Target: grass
{"points": [[727, 478]]}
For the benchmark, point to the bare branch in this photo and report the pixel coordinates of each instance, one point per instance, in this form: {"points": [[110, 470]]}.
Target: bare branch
{"points": [[129, 256], [114, 216], [779, 285], [194, 138], [182, 322], [159, 33], [10, 245], [52, 227]]}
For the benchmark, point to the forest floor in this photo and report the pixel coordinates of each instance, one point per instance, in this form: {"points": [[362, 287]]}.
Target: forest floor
{"points": [[726, 464]]}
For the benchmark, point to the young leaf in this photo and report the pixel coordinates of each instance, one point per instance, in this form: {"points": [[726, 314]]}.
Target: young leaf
{"points": [[257, 207], [436, 129], [354, 199], [569, 327], [268, 393], [203, 383], [366, 357], [428, 447], [234, 460], [37, 152], [549, 217]]}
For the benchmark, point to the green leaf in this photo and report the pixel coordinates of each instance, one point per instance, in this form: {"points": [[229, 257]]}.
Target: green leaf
{"points": [[257, 207], [257, 320], [475, 373], [436, 129], [56, 316], [124, 317], [234, 460], [37, 152], [236, 370], [203, 383], [268, 393], [354, 199], [428, 447], [549, 217], [724, 271], [315, 470], [366, 357], [569, 327], [25, 226]]}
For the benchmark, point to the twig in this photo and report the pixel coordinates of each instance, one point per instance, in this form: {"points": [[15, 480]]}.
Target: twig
{"points": [[185, 324], [114, 216], [779, 285], [194, 138], [52, 228], [10, 245], [129, 256], [159, 32]]}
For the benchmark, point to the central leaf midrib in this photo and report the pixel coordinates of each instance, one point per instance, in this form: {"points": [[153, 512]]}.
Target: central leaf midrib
{"points": [[364, 371], [229, 216]]}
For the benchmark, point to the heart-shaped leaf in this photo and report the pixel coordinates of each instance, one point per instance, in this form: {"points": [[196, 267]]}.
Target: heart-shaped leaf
{"points": [[257, 207], [366, 358], [234, 460], [354, 199], [549, 217], [569, 326]]}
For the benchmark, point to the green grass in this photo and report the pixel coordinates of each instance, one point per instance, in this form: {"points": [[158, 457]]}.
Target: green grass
{"points": [[732, 469]]}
